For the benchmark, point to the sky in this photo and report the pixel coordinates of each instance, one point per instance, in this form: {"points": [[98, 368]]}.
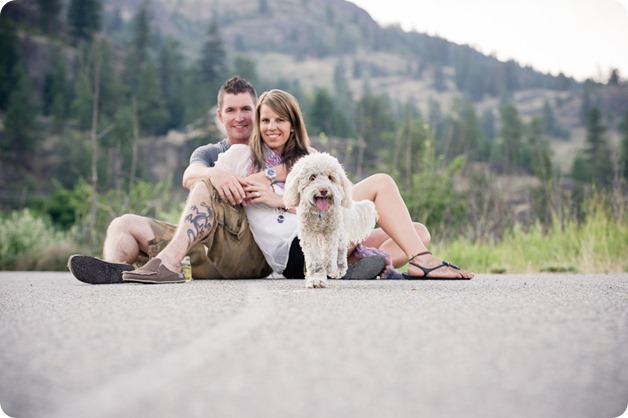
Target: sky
{"points": [[581, 38]]}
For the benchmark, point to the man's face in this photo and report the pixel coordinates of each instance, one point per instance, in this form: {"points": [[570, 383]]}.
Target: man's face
{"points": [[237, 115]]}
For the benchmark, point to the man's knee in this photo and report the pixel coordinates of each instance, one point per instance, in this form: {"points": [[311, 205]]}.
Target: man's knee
{"points": [[202, 188], [130, 225], [124, 223]]}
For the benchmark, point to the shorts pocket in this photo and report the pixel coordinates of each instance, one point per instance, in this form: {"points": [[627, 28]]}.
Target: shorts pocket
{"points": [[233, 219]]}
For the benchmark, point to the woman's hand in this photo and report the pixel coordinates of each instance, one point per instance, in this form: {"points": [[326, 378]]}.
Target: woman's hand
{"points": [[260, 192], [260, 178]]}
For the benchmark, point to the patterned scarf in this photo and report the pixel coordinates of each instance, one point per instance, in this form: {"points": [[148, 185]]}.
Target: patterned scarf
{"points": [[271, 159]]}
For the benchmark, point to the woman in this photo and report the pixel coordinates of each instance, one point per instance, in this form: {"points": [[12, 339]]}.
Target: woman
{"points": [[279, 135]]}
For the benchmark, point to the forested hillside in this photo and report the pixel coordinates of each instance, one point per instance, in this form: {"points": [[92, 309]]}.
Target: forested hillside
{"points": [[101, 101]]}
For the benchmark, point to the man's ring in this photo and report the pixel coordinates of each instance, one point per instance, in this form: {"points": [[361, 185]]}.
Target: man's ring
{"points": [[257, 194]]}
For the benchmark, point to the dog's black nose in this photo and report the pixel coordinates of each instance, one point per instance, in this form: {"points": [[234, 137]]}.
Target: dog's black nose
{"points": [[323, 192]]}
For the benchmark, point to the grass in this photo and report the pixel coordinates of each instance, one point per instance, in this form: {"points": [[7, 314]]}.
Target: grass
{"points": [[597, 245]]}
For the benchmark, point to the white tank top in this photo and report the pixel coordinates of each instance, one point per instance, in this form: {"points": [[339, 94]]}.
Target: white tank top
{"points": [[273, 229]]}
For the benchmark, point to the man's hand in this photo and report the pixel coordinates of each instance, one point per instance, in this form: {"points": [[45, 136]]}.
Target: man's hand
{"points": [[230, 187], [258, 178]]}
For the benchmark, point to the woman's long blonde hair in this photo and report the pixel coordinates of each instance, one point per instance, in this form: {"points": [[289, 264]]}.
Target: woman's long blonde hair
{"points": [[286, 106]]}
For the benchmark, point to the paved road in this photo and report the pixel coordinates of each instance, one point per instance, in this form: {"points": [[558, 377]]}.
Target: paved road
{"points": [[498, 346]]}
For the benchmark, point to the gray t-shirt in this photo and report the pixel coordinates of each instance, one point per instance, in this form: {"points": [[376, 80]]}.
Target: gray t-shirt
{"points": [[208, 154]]}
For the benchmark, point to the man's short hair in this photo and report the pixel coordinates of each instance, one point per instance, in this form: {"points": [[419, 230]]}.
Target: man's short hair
{"points": [[236, 85]]}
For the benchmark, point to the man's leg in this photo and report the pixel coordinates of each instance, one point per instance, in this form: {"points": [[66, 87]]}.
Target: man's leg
{"points": [[196, 222], [127, 235]]}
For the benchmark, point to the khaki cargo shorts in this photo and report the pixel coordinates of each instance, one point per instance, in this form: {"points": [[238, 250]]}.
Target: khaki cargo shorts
{"points": [[227, 252]]}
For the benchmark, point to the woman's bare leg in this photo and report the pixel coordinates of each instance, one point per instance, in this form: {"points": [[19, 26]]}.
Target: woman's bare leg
{"points": [[396, 222], [380, 239]]}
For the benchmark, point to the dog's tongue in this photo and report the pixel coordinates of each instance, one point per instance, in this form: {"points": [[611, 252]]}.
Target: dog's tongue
{"points": [[322, 203]]}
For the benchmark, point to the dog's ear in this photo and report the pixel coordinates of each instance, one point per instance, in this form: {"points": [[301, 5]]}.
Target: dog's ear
{"points": [[347, 189], [292, 195]]}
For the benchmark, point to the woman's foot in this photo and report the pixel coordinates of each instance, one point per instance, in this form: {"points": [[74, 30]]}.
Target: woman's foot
{"points": [[424, 266]]}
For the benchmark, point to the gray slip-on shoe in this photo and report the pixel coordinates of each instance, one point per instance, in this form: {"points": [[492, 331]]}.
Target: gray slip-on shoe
{"points": [[153, 272], [93, 270], [367, 268]]}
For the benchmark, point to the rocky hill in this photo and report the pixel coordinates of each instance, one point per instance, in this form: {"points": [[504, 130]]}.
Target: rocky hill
{"points": [[305, 42]]}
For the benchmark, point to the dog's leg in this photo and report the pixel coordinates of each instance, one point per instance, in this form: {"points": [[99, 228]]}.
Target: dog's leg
{"points": [[316, 272], [338, 256], [341, 254], [329, 254]]}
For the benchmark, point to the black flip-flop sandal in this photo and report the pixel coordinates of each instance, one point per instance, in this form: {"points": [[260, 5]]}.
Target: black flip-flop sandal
{"points": [[427, 271]]}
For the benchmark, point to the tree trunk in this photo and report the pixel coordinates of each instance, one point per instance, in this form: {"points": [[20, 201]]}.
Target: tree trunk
{"points": [[94, 140]]}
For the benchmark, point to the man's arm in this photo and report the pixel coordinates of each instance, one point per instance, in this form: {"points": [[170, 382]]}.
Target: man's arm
{"points": [[195, 172], [202, 166], [227, 184]]}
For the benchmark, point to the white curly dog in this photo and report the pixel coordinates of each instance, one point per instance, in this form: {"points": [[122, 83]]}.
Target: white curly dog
{"points": [[328, 218]]}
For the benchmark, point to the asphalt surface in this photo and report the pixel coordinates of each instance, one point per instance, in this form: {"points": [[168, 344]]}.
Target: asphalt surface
{"points": [[553, 345]]}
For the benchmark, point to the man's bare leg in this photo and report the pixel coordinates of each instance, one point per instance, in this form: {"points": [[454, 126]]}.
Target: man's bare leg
{"points": [[127, 235], [195, 223]]}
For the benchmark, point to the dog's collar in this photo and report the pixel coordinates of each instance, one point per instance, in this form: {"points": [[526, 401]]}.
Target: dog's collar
{"points": [[321, 214]]}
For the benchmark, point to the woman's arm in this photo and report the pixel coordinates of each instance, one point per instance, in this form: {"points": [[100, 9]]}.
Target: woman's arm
{"points": [[280, 171], [260, 177]]}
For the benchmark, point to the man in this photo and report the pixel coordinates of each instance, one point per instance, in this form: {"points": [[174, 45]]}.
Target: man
{"points": [[136, 239], [213, 223]]}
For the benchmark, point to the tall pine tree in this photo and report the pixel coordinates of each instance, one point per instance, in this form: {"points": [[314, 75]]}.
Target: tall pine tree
{"points": [[19, 134], [138, 52], [9, 58], [212, 66], [510, 136], [597, 151], [84, 19], [623, 154], [49, 15], [171, 76]]}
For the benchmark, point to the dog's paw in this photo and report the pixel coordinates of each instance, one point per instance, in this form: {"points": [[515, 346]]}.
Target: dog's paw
{"points": [[315, 282], [339, 273]]}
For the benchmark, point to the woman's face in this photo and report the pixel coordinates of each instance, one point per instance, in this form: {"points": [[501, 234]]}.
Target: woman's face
{"points": [[275, 129]]}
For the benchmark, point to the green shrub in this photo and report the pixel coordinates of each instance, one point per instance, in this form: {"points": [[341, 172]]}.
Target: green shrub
{"points": [[29, 242]]}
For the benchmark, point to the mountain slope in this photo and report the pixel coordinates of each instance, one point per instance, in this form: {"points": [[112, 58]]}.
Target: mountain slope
{"points": [[304, 30]]}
